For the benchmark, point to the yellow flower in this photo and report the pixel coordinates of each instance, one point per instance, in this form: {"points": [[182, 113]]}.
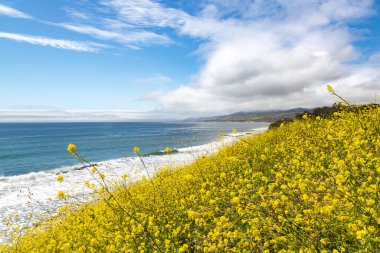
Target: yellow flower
{"points": [[188, 177], [361, 234], [266, 189], [72, 148], [330, 88], [234, 131], [370, 202], [60, 178], [136, 149], [168, 150], [183, 248], [61, 195], [235, 200]]}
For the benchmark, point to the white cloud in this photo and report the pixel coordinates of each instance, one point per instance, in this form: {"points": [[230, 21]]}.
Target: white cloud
{"points": [[132, 38], [146, 13], [8, 11], [262, 54], [152, 14], [375, 58], [56, 43], [113, 30], [75, 14], [280, 56], [157, 79]]}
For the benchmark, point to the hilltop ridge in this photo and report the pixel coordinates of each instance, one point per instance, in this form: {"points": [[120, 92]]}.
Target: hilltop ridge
{"points": [[260, 116]]}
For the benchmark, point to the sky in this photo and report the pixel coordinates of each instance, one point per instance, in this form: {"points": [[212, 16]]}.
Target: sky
{"points": [[122, 60]]}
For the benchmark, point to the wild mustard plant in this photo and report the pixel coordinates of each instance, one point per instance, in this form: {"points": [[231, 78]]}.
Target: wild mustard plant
{"points": [[72, 148], [60, 178], [311, 185]]}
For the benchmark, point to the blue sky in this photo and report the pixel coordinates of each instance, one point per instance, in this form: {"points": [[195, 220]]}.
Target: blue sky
{"points": [[119, 60]]}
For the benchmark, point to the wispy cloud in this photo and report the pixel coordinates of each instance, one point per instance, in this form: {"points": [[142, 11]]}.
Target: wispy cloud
{"points": [[153, 14], [130, 38], [146, 13], [42, 40], [56, 43], [11, 12], [157, 79], [103, 28]]}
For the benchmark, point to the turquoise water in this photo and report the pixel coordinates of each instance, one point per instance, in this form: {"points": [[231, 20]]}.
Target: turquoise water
{"points": [[34, 147]]}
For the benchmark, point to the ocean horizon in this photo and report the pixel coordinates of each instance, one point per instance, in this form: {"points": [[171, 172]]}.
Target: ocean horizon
{"points": [[34, 147], [33, 154]]}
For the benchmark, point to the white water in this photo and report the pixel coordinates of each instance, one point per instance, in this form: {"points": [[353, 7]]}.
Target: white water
{"points": [[36, 193]]}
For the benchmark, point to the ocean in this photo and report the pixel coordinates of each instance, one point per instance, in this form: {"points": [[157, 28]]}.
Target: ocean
{"points": [[33, 154]]}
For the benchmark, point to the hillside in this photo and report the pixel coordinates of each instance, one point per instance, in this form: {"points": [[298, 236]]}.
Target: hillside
{"points": [[311, 185], [261, 116]]}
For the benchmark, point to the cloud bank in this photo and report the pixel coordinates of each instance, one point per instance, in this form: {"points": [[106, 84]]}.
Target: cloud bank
{"points": [[59, 115], [263, 54], [277, 54]]}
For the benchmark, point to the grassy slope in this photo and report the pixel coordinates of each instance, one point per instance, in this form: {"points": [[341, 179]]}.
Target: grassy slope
{"points": [[311, 184]]}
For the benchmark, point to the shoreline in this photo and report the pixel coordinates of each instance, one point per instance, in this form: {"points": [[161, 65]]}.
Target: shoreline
{"points": [[36, 191]]}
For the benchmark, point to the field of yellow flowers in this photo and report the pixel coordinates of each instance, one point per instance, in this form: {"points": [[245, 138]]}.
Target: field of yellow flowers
{"points": [[308, 186]]}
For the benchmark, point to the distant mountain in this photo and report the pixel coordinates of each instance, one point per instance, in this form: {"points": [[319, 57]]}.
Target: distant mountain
{"points": [[262, 116]]}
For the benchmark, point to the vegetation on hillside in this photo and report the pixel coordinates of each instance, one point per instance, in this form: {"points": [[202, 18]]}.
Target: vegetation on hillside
{"points": [[323, 112], [311, 185], [258, 116]]}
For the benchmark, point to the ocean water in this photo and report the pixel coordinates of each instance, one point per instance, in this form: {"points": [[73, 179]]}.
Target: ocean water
{"points": [[26, 148], [33, 154]]}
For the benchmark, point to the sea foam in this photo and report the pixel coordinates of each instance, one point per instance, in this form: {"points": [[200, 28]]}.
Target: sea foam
{"points": [[36, 193]]}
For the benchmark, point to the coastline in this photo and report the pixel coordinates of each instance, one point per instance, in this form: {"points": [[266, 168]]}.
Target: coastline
{"points": [[36, 192]]}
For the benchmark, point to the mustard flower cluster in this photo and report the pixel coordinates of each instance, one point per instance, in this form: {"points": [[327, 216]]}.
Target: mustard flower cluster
{"points": [[60, 178], [72, 148], [308, 186]]}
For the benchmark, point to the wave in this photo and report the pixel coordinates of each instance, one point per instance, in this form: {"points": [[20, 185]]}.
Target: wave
{"points": [[36, 192], [161, 152]]}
